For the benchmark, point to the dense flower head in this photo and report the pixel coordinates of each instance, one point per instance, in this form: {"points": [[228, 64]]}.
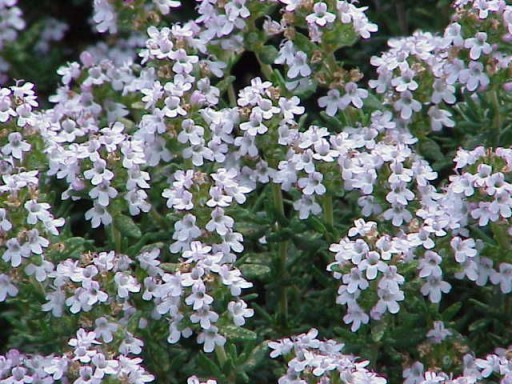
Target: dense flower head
{"points": [[322, 359]]}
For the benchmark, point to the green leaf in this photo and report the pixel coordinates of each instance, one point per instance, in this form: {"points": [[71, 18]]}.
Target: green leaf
{"points": [[304, 43], [316, 224], [278, 78], [75, 246], [255, 271], [254, 39], [268, 54], [279, 236], [373, 102], [169, 267], [378, 331], [127, 226], [138, 105], [500, 235], [339, 36], [479, 304], [332, 121], [209, 366], [224, 83], [258, 354], [242, 376], [306, 91], [431, 150], [451, 311], [479, 325], [235, 333]]}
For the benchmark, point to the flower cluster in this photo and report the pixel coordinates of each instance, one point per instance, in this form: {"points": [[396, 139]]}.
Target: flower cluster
{"points": [[455, 62], [317, 361], [88, 362]]}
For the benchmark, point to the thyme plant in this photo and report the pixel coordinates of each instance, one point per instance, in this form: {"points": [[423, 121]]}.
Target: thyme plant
{"points": [[217, 194]]}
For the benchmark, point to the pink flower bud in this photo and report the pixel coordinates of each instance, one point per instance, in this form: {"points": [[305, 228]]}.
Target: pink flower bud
{"points": [[78, 184], [507, 38], [86, 59], [507, 87]]}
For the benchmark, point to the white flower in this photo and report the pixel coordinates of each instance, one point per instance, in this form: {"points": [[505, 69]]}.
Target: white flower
{"points": [[102, 193], [130, 344], [99, 173], [16, 146], [5, 224], [438, 333], [354, 95], [280, 348], [104, 16], [40, 271], [434, 287], [463, 249], [219, 222], [239, 311], [164, 6], [55, 303], [334, 102], [299, 66], [478, 45], [210, 338], [406, 105], [6, 287], [372, 265], [15, 252], [355, 316], [413, 374], [98, 215], [306, 206], [405, 81], [312, 184], [503, 278], [320, 16], [474, 76], [104, 329], [355, 281], [126, 284], [442, 91]]}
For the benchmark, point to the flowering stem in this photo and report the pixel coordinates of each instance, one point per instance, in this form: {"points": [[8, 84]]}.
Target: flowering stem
{"points": [[328, 211], [283, 295], [497, 122], [266, 69], [277, 196], [116, 238], [281, 262], [335, 378], [222, 357], [157, 217], [231, 95], [220, 352]]}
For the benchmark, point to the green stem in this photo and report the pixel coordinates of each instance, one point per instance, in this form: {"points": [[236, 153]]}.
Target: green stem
{"points": [[328, 210], [497, 121], [283, 294], [220, 352], [222, 357], [231, 95], [282, 271], [157, 217], [266, 69], [331, 63], [116, 238], [277, 196]]}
